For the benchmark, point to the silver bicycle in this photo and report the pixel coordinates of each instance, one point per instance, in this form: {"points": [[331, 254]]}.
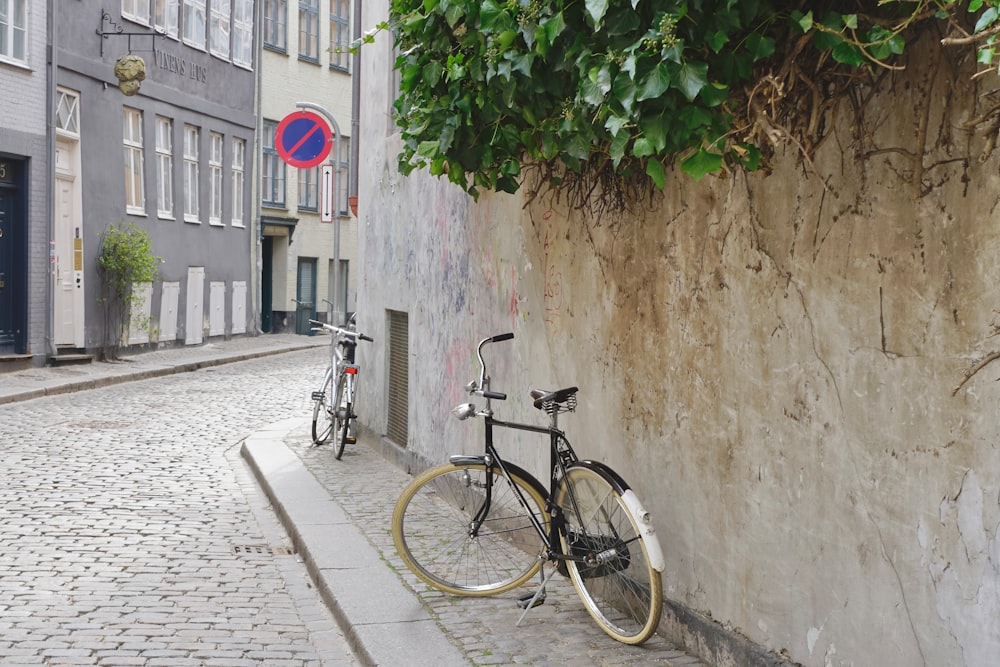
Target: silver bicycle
{"points": [[334, 402]]}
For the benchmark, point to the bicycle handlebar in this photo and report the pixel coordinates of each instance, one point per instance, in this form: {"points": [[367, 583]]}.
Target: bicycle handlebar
{"points": [[341, 331], [482, 388]]}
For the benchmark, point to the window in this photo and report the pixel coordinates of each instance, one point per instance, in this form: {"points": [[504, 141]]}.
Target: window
{"points": [[243, 32], [309, 188], [136, 10], [215, 161], [135, 193], [309, 30], [166, 15], [221, 21], [191, 137], [275, 18], [272, 169], [194, 23], [239, 170], [13, 29], [68, 113], [340, 34], [164, 167]]}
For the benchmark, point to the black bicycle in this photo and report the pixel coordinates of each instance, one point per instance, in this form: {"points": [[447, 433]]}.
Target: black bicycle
{"points": [[479, 525]]}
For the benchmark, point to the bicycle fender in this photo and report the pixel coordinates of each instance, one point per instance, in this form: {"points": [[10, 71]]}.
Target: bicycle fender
{"points": [[459, 460], [645, 523], [462, 460], [635, 508]]}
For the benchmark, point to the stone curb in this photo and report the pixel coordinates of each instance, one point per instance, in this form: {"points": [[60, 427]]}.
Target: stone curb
{"points": [[382, 619]]}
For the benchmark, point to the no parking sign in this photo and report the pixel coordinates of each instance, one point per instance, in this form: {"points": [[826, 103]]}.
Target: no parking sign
{"points": [[302, 139]]}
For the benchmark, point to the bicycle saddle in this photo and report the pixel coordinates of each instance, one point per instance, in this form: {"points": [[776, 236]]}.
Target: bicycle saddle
{"points": [[558, 396]]}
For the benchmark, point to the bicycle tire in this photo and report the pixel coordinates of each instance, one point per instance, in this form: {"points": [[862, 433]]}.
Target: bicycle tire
{"points": [[323, 417], [430, 527], [620, 589], [343, 415]]}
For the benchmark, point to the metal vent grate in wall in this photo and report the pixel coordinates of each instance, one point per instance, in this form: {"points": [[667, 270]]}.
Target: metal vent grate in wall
{"points": [[399, 376]]}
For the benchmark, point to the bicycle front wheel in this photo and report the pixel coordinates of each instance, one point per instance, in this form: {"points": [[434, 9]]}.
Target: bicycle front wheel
{"points": [[323, 412], [432, 526], [611, 571]]}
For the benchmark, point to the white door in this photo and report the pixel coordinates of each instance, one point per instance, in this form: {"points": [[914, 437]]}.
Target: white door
{"points": [[194, 325], [68, 306]]}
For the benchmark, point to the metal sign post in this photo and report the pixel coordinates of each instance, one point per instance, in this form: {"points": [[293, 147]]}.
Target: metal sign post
{"points": [[339, 316]]}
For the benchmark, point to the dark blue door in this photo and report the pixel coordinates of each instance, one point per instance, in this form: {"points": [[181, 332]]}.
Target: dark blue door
{"points": [[13, 265]]}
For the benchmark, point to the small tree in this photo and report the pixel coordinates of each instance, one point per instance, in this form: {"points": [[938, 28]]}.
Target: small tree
{"points": [[126, 259]]}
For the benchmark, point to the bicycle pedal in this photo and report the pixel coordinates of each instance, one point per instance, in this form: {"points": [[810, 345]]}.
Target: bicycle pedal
{"points": [[350, 440], [530, 599]]}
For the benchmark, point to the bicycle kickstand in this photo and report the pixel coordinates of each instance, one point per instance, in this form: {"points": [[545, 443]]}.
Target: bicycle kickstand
{"points": [[530, 601]]}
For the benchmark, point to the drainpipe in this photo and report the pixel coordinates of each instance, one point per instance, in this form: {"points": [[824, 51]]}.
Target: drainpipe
{"points": [[257, 231], [50, 188], [355, 109]]}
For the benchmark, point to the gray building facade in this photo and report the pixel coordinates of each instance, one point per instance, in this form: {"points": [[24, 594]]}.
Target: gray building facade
{"points": [[24, 166], [174, 158]]}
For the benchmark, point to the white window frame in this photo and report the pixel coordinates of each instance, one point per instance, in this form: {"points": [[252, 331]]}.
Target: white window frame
{"points": [[340, 35], [68, 113], [272, 177], [192, 136], [215, 160], [14, 33], [166, 16], [135, 190], [243, 33], [164, 168], [309, 30], [195, 20], [220, 32], [239, 180], [136, 10], [309, 189]]}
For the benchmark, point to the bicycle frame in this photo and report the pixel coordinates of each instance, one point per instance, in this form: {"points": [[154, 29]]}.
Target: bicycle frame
{"points": [[561, 455]]}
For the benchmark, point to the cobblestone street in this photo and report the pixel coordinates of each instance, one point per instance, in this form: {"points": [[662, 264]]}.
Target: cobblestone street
{"points": [[133, 534]]}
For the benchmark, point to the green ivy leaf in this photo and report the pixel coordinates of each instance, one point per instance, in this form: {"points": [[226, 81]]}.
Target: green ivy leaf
{"points": [[987, 19], [655, 83], [492, 17], [553, 26], [429, 149], [848, 54], [701, 163], [642, 148], [655, 171], [804, 21], [596, 9], [692, 78], [432, 73], [617, 148]]}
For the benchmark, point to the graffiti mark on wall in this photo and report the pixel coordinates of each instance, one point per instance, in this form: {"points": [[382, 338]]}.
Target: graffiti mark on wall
{"points": [[514, 308], [553, 280]]}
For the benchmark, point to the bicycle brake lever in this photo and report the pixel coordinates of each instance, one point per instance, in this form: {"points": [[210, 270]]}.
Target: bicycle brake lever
{"points": [[472, 386]]}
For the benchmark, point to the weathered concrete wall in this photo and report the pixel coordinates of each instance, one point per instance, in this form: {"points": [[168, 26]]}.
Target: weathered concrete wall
{"points": [[769, 361]]}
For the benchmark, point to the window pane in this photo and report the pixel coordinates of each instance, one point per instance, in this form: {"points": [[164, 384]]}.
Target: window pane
{"points": [[194, 22]]}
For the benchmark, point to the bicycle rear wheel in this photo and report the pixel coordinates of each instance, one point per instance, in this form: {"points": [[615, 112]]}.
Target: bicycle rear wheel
{"points": [[615, 579], [342, 411], [431, 528], [323, 415]]}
